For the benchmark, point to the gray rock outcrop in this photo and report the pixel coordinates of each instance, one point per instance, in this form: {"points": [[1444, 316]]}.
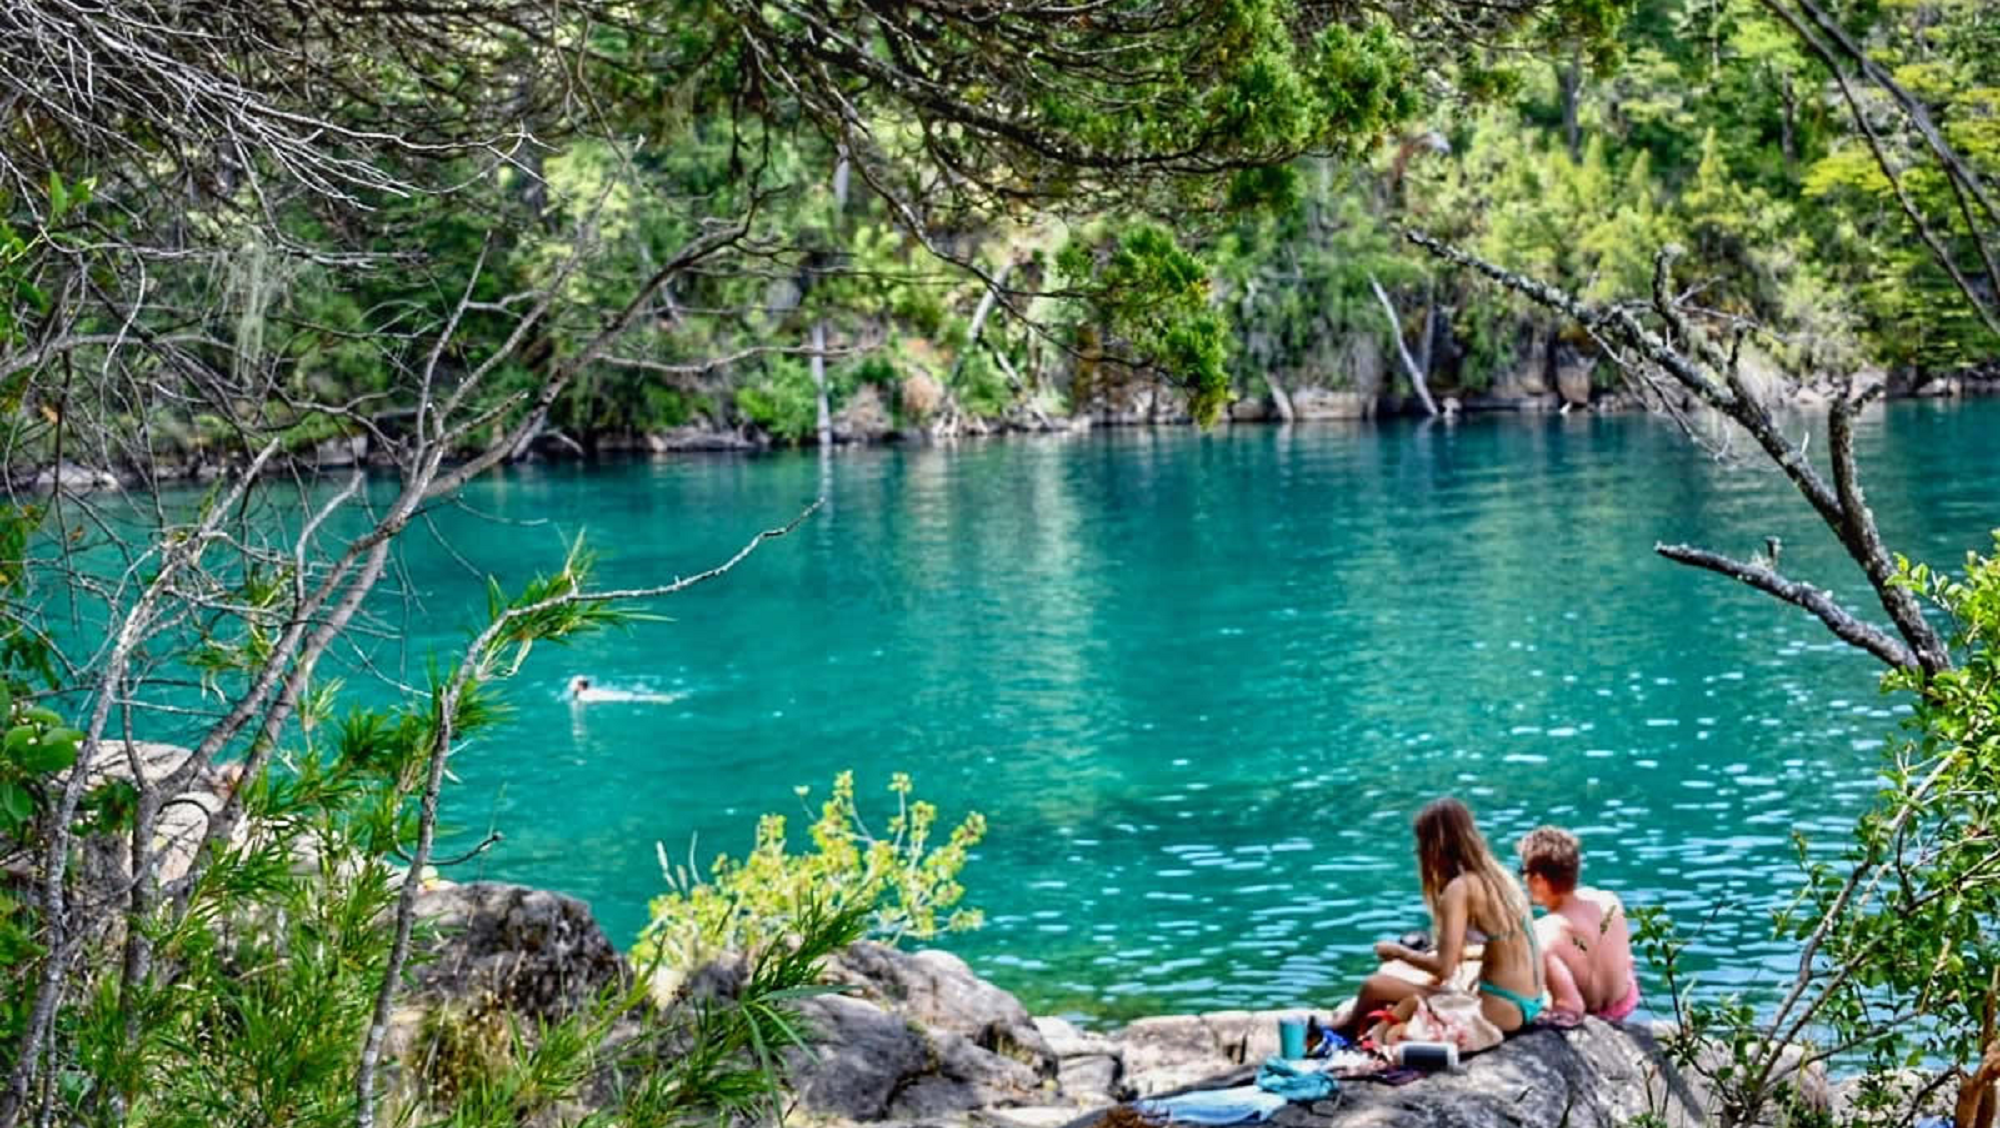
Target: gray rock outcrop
{"points": [[698, 436], [528, 951], [185, 807], [70, 476], [1311, 402], [1089, 1067], [1170, 1052], [919, 1036]]}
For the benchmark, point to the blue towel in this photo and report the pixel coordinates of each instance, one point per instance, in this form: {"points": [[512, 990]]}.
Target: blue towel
{"points": [[1294, 1084], [1215, 1106]]}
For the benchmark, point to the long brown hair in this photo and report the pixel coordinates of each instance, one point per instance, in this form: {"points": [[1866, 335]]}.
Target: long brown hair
{"points": [[1449, 844]]}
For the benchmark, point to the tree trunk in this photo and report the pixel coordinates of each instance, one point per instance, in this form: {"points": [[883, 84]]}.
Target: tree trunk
{"points": [[824, 409], [1280, 398], [1019, 388], [980, 313], [1569, 82], [819, 385], [1786, 139], [1410, 368], [1427, 342]]}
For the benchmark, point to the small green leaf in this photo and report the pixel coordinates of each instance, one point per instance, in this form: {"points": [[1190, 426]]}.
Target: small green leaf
{"points": [[58, 197], [52, 753], [16, 805]]}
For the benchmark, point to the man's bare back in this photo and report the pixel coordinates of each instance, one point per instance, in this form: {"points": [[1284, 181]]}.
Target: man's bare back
{"points": [[1590, 935], [1586, 937]]}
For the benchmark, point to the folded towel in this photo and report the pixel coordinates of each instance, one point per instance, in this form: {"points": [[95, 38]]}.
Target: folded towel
{"points": [[1215, 1107], [1293, 1083]]}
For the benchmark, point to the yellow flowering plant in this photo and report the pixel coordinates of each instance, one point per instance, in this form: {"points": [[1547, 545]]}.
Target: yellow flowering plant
{"points": [[905, 883]]}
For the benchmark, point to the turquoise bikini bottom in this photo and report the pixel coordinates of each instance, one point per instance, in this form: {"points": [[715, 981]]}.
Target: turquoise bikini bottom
{"points": [[1529, 1008]]}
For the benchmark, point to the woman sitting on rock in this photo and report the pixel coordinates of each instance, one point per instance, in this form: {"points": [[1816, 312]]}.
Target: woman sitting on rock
{"points": [[1467, 889]]}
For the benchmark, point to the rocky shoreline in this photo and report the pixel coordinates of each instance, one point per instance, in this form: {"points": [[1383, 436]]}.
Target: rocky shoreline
{"points": [[866, 421], [917, 1039]]}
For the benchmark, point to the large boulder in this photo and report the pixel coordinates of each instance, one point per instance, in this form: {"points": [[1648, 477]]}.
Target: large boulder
{"points": [[937, 990], [340, 451], [527, 951], [918, 1035], [190, 795], [1169, 1052], [874, 1064], [1597, 1076], [1253, 410], [1310, 402], [1090, 1068], [70, 476]]}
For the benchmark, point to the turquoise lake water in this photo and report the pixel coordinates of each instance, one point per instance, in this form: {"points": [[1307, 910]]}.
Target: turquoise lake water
{"points": [[1198, 683]]}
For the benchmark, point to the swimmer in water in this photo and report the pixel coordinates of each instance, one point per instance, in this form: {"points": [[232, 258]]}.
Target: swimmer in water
{"points": [[581, 690]]}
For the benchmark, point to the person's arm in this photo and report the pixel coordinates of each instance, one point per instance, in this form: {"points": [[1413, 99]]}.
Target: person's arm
{"points": [[1564, 995], [1443, 959]]}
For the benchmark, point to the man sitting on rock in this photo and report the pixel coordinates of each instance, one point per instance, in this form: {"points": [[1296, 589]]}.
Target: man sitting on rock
{"points": [[1585, 938]]}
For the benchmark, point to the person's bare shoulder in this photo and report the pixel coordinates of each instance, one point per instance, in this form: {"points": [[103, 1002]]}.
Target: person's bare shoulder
{"points": [[1606, 901], [1461, 886], [1611, 910]]}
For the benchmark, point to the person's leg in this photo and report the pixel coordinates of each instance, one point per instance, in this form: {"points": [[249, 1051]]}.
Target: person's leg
{"points": [[1377, 991]]}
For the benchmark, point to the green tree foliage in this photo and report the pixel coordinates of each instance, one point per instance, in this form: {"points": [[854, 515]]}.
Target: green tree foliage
{"points": [[1148, 297], [1294, 282], [1706, 124]]}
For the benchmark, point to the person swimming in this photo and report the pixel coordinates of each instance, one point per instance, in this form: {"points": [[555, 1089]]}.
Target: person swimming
{"points": [[583, 690]]}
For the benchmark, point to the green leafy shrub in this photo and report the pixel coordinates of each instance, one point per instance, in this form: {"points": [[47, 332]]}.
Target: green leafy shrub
{"points": [[905, 885], [1898, 934], [255, 999], [784, 402]]}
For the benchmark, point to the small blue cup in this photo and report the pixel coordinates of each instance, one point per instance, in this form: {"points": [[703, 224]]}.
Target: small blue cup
{"points": [[1291, 1038]]}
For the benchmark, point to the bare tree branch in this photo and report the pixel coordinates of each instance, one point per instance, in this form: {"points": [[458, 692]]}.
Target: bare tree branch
{"points": [[1961, 177], [1713, 378], [1823, 606]]}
